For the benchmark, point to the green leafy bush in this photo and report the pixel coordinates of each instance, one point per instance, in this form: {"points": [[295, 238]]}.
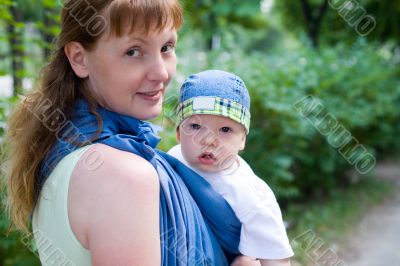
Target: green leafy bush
{"points": [[358, 85]]}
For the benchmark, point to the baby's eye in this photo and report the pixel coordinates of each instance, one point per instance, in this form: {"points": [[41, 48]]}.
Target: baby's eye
{"points": [[225, 129], [169, 48], [135, 52], [195, 126]]}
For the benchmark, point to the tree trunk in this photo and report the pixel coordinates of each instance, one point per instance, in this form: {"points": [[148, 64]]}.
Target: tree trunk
{"points": [[313, 22], [16, 50], [1, 259], [214, 37], [48, 38], [46, 33]]}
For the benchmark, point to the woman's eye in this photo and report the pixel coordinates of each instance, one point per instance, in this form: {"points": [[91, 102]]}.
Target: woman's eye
{"points": [[133, 52], [195, 126], [168, 48], [226, 129]]}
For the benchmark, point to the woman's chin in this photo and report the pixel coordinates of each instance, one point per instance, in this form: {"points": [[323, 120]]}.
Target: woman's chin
{"points": [[150, 115]]}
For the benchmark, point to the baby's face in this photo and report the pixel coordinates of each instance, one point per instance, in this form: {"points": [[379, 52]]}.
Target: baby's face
{"points": [[210, 143]]}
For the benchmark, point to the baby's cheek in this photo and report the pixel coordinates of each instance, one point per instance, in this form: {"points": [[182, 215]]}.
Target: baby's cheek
{"points": [[227, 160]]}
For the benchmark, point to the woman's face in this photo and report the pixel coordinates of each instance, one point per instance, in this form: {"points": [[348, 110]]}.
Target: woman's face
{"points": [[130, 74]]}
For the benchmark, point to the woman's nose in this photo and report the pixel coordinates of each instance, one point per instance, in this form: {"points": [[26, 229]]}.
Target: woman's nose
{"points": [[158, 70]]}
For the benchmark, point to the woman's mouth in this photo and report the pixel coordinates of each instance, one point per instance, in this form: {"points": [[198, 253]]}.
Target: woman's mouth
{"points": [[207, 158], [152, 96]]}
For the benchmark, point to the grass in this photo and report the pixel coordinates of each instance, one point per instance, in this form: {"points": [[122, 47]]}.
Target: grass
{"points": [[320, 227]]}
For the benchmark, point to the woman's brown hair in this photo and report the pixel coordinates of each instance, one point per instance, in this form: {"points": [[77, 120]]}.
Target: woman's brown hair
{"points": [[36, 120]]}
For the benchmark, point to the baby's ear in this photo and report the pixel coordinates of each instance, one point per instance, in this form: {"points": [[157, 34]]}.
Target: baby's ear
{"points": [[243, 143], [178, 134], [76, 55]]}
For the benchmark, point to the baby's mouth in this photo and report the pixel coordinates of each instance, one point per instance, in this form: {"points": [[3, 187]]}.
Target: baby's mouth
{"points": [[207, 158]]}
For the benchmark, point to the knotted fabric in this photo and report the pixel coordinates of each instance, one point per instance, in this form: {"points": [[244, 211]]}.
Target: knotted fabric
{"points": [[197, 226]]}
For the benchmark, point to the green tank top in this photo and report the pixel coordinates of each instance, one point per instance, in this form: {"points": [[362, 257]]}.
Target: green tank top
{"points": [[55, 241]]}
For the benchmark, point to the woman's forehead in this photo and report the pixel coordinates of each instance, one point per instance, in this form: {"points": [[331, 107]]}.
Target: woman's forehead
{"points": [[146, 38], [143, 16]]}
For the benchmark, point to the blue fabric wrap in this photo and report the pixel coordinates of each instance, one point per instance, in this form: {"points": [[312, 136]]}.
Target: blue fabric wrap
{"points": [[197, 226]]}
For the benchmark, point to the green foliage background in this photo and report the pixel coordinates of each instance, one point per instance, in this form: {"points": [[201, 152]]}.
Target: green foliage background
{"points": [[359, 84], [356, 79]]}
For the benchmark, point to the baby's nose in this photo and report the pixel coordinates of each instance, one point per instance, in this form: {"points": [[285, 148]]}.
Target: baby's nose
{"points": [[210, 140]]}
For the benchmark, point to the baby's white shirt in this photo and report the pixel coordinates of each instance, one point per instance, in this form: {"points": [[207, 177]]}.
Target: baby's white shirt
{"points": [[263, 233]]}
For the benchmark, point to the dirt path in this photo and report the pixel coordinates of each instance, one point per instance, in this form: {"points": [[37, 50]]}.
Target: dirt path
{"points": [[376, 240]]}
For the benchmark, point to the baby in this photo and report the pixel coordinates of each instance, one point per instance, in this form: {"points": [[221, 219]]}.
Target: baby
{"points": [[213, 121]]}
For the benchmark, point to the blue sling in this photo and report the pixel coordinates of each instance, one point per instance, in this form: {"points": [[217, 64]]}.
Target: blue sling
{"points": [[197, 226]]}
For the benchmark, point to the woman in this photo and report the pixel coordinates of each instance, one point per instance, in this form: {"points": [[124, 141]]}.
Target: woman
{"points": [[82, 163]]}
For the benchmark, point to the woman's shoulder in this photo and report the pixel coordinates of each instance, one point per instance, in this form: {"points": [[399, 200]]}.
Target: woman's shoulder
{"points": [[100, 159], [106, 183], [102, 166]]}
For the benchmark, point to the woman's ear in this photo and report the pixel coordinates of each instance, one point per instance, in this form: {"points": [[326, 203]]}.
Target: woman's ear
{"points": [[76, 55]]}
